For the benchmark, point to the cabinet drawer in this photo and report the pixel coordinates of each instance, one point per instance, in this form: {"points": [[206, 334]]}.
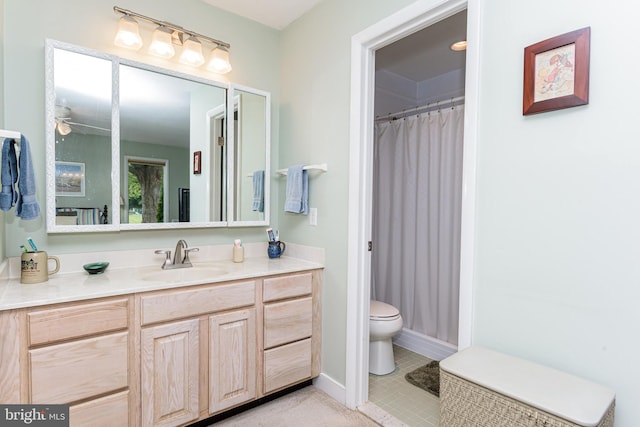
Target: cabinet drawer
{"points": [[276, 288], [287, 365], [287, 321], [56, 324], [68, 372], [112, 410], [186, 303]]}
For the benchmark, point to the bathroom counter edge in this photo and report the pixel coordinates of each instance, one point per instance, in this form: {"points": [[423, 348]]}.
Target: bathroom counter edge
{"points": [[79, 286]]}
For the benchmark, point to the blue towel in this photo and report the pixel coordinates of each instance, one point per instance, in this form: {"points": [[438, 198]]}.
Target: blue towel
{"points": [[297, 194], [27, 207], [258, 191], [9, 170]]}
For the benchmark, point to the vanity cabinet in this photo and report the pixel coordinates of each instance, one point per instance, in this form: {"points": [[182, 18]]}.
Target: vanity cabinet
{"points": [[198, 351], [167, 357], [79, 354]]}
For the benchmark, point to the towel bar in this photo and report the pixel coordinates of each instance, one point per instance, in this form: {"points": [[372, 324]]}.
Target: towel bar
{"points": [[320, 167], [10, 134]]}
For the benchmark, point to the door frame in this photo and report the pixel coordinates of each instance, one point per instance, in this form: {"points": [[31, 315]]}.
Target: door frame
{"points": [[415, 17]]}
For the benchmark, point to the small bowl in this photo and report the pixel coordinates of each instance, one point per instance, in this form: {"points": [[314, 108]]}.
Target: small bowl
{"points": [[96, 267]]}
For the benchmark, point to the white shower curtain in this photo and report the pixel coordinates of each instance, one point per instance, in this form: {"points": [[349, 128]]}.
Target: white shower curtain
{"points": [[416, 219]]}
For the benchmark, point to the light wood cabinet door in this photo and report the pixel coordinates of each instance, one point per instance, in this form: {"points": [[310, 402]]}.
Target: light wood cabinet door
{"points": [[170, 373], [232, 361]]}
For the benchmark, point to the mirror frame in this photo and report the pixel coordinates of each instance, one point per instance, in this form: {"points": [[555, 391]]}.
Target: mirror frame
{"points": [[115, 225], [233, 222]]}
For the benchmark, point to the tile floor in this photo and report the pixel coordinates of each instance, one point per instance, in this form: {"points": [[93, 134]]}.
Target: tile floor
{"points": [[406, 402]]}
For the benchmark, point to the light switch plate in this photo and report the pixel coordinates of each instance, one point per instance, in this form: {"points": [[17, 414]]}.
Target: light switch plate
{"points": [[313, 216]]}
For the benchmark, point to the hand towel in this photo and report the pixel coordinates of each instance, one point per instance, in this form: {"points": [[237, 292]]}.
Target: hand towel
{"points": [[9, 170], [258, 191], [27, 206], [297, 193]]}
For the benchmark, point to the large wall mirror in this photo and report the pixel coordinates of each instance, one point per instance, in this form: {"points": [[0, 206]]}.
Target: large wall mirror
{"points": [[131, 147]]}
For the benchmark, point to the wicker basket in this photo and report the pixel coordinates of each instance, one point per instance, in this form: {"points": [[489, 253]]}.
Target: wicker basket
{"points": [[465, 404]]}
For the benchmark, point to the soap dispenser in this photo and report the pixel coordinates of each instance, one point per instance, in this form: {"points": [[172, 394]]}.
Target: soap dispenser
{"points": [[238, 251]]}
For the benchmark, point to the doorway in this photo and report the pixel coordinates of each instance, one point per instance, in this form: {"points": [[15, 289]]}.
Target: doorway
{"points": [[405, 22]]}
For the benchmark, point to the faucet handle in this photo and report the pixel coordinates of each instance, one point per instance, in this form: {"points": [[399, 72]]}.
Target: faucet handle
{"points": [[186, 254], [167, 259]]}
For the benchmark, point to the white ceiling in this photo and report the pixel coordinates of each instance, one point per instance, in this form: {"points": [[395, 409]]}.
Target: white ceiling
{"points": [[426, 53], [273, 13], [418, 57]]}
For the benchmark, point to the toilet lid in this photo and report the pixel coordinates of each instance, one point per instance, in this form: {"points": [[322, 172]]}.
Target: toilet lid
{"points": [[381, 310]]}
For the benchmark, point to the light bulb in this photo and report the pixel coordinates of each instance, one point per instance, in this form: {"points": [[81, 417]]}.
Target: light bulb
{"points": [[161, 44], [219, 60], [63, 128], [192, 52], [128, 35]]}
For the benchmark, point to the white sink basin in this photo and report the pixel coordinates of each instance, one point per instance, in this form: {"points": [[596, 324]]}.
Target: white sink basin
{"points": [[189, 274]]}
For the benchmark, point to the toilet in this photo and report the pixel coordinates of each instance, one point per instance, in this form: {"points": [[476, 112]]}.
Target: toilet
{"points": [[385, 322]]}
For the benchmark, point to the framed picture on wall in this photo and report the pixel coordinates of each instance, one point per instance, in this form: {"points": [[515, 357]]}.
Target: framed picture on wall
{"points": [[556, 72], [70, 179], [197, 162]]}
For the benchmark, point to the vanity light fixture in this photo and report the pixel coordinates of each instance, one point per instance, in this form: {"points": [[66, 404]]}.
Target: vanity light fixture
{"points": [[166, 35]]}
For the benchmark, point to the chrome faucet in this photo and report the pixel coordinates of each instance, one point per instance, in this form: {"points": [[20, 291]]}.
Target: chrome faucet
{"points": [[180, 256]]}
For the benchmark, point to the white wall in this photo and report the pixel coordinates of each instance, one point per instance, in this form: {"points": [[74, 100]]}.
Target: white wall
{"points": [[558, 201], [27, 23]]}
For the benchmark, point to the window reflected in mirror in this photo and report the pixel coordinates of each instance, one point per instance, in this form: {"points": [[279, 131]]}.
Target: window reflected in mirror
{"points": [[146, 191]]}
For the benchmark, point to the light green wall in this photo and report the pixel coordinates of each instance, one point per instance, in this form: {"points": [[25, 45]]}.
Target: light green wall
{"points": [[3, 240], [314, 128], [558, 194], [556, 277], [92, 24]]}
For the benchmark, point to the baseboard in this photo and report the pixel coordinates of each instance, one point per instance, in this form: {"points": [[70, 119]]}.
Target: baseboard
{"points": [[425, 345], [330, 386]]}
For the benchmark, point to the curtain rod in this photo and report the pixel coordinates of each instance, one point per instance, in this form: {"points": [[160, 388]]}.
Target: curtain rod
{"points": [[433, 105]]}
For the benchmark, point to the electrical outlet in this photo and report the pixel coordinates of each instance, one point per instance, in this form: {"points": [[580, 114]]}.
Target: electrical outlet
{"points": [[313, 216]]}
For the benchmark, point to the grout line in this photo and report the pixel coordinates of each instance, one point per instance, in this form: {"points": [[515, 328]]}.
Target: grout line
{"points": [[401, 399]]}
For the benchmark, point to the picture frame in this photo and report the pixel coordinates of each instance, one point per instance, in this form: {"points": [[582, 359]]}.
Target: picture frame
{"points": [[556, 72], [197, 162], [70, 179]]}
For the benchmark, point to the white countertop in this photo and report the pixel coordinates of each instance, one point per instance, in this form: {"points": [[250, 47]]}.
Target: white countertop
{"points": [[120, 279], [566, 396]]}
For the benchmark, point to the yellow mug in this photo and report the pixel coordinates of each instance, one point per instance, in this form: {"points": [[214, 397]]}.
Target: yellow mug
{"points": [[34, 267]]}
